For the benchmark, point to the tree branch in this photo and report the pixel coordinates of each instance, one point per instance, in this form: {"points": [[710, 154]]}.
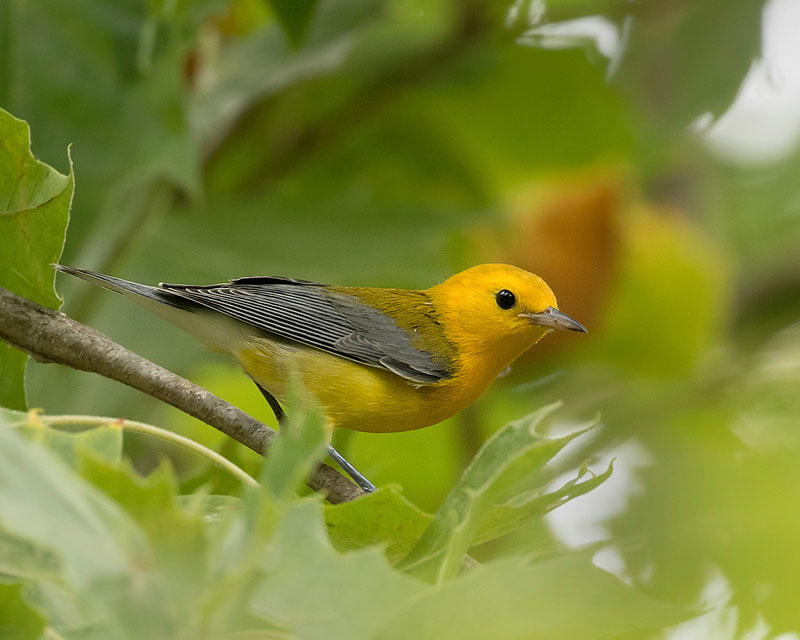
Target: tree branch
{"points": [[51, 336]]}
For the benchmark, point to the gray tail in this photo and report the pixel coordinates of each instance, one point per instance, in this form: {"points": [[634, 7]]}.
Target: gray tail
{"points": [[125, 287]]}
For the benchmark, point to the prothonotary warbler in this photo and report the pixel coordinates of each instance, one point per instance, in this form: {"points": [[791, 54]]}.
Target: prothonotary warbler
{"points": [[376, 360]]}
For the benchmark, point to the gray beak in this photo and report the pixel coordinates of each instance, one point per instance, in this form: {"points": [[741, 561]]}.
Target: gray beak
{"points": [[555, 319]]}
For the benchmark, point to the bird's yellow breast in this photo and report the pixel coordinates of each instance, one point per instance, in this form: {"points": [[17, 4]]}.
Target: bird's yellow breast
{"points": [[357, 396]]}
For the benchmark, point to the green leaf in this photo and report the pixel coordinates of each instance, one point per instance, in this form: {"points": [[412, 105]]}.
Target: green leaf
{"points": [[17, 620], [316, 593], [693, 78], [69, 443], [70, 446], [34, 211], [211, 508], [174, 534], [13, 418], [130, 556], [383, 517], [260, 65], [25, 183], [506, 141], [565, 597], [505, 465], [294, 16], [298, 448], [665, 257], [67, 615], [505, 518], [43, 501], [26, 560], [258, 634]]}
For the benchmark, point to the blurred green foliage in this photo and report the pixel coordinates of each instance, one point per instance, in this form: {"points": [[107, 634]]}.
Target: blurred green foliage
{"points": [[392, 143], [102, 552]]}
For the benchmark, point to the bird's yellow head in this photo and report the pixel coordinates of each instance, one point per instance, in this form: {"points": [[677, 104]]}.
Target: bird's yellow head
{"points": [[497, 311]]}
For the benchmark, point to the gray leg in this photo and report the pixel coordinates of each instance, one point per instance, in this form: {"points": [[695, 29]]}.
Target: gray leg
{"points": [[354, 473], [337, 457]]}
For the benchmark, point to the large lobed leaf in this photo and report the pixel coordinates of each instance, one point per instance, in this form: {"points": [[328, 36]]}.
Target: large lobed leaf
{"points": [[510, 515], [316, 593], [384, 517], [565, 597], [105, 443], [42, 500], [504, 472], [34, 211]]}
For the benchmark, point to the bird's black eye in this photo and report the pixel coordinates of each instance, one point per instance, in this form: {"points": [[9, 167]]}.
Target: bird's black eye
{"points": [[505, 299]]}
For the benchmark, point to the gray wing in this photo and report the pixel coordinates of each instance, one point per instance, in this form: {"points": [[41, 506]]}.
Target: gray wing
{"points": [[307, 313]]}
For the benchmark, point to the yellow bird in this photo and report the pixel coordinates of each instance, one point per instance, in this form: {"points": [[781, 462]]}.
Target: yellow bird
{"points": [[378, 360]]}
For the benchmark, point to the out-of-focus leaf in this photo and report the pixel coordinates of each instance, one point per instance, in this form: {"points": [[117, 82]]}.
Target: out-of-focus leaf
{"points": [[297, 450], [719, 489], [658, 51], [66, 612], [104, 442], [564, 597], [683, 77], [209, 507], [506, 464], [315, 593], [668, 262], [767, 396], [384, 517], [119, 96], [761, 226], [258, 634], [514, 113], [258, 570], [14, 418], [173, 533], [295, 16], [34, 211], [25, 560], [94, 538], [260, 65], [292, 456], [17, 620]]}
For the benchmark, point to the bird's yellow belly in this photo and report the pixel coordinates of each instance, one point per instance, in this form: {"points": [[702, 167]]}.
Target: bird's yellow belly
{"points": [[352, 395]]}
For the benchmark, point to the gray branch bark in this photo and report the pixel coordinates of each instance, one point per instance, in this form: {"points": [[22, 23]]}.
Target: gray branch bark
{"points": [[51, 336]]}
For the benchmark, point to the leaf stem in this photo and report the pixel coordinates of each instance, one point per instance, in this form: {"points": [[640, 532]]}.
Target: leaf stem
{"points": [[134, 426]]}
